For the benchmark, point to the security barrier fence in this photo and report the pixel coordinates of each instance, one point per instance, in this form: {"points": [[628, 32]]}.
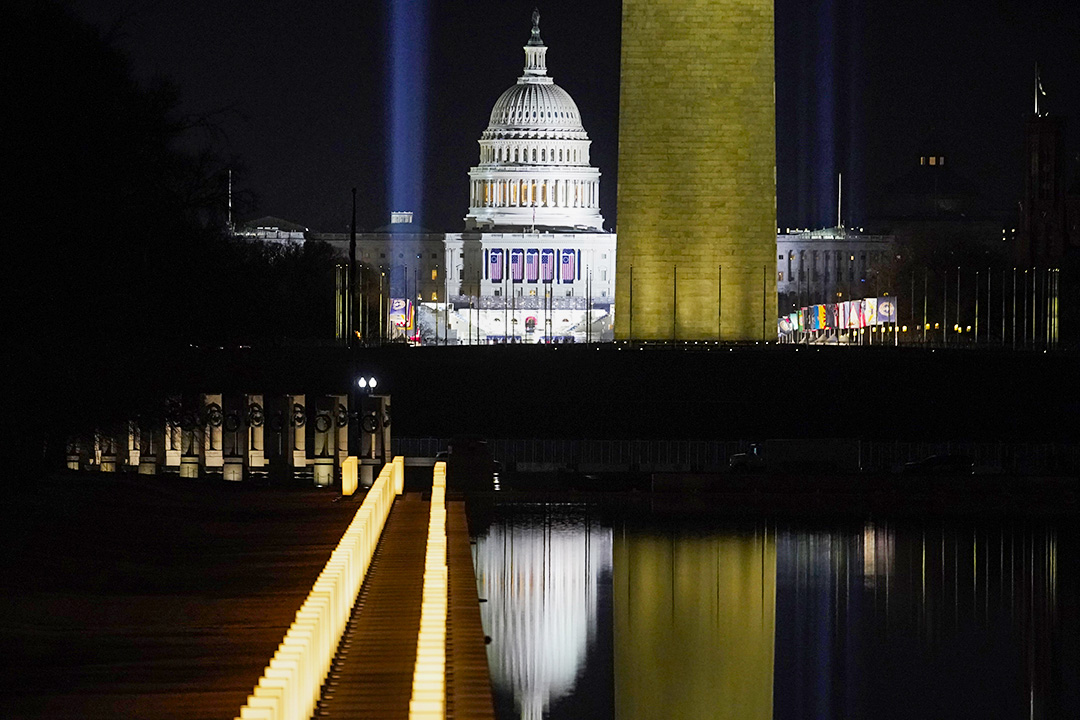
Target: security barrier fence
{"points": [[870, 456]]}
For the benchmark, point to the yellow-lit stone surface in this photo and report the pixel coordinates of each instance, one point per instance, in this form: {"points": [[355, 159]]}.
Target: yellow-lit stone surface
{"points": [[695, 620], [697, 177]]}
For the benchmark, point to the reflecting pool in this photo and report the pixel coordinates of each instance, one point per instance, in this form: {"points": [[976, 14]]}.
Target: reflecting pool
{"points": [[597, 612]]}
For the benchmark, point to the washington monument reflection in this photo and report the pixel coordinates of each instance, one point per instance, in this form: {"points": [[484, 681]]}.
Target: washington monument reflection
{"points": [[694, 625]]}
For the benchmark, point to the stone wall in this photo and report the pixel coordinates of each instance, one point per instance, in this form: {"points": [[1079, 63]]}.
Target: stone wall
{"points": [[697, 170]]}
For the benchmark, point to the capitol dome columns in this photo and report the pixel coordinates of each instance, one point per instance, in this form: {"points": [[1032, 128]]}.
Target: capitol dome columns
{"points": [[533, 169]]}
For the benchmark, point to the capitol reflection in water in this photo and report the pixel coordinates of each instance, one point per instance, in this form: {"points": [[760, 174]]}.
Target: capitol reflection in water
{"points": [[541, 573]]}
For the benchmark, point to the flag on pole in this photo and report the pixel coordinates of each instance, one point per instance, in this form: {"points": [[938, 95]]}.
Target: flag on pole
{"points": [[886, 310], [870, 312]]}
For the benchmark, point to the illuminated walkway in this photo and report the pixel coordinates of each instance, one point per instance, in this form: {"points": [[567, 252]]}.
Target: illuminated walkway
{"points": [[372, 674]]}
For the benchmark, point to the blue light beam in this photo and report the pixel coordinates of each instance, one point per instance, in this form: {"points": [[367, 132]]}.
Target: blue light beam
{"points": [[408, 99]]}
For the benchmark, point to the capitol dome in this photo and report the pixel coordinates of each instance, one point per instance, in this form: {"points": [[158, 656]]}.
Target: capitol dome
{"points": [[534, 167], [533, 107]]}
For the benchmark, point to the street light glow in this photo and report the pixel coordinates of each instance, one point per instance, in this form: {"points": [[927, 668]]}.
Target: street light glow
{"points": [[362, 382]]}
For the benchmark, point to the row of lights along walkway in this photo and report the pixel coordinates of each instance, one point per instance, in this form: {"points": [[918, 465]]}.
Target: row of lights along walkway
{"points": [[411, 644]]}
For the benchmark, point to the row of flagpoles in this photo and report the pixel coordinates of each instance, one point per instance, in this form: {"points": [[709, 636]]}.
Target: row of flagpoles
{"points": [[847, 315]]}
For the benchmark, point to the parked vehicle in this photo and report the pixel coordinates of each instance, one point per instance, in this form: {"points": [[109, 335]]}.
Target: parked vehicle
{"points": [[948, 464], [752, 460]]}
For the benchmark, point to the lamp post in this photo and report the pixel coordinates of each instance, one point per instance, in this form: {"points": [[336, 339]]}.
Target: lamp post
{"points": [[367, 424]]}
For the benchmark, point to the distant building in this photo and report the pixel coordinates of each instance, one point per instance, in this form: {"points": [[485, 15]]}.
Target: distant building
{"points": [[1042, 239], [272, 229], [534, 166], [937, 216], [534, 263], [833, 265]]}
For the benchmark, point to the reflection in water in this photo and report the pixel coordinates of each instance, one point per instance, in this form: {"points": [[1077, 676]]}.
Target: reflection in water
{"points": [[694, 619], [541, 573], [946, 618], [917, 621]]}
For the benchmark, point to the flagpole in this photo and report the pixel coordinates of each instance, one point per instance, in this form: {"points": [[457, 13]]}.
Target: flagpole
{"points": [[674, 303], [1004, 307], [446, 299], [959, 328], [1014, 309], [1025, 306], [925, 324], [945, 311]]}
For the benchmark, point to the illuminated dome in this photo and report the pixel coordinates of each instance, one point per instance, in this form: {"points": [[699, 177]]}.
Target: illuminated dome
{"points": [[534, 167], [531, 107]]}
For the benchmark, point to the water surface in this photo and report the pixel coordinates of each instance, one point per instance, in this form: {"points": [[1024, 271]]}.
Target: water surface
{"points": [[601, 613]]}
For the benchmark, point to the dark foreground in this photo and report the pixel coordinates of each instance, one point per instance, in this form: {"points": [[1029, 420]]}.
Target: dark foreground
{"points": [[150, 598]]}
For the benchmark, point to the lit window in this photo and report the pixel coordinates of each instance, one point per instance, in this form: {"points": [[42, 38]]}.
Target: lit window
{"points": [[434, 274], [933, 160]]}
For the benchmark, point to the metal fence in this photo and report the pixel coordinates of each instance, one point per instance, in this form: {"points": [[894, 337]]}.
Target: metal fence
{"points": [[589, 455]]}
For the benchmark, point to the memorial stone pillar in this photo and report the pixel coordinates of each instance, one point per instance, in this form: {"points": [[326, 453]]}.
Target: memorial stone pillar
{"points": [[212, 456], [106, 454], [255, 447], [150, 445], [325, 441], [297, 436]]}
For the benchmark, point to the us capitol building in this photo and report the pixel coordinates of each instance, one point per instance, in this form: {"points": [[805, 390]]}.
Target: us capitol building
{"points": [[533, 263]]}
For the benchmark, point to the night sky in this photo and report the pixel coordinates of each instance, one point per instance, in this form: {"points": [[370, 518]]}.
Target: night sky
{"points": [[862, 88]]}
